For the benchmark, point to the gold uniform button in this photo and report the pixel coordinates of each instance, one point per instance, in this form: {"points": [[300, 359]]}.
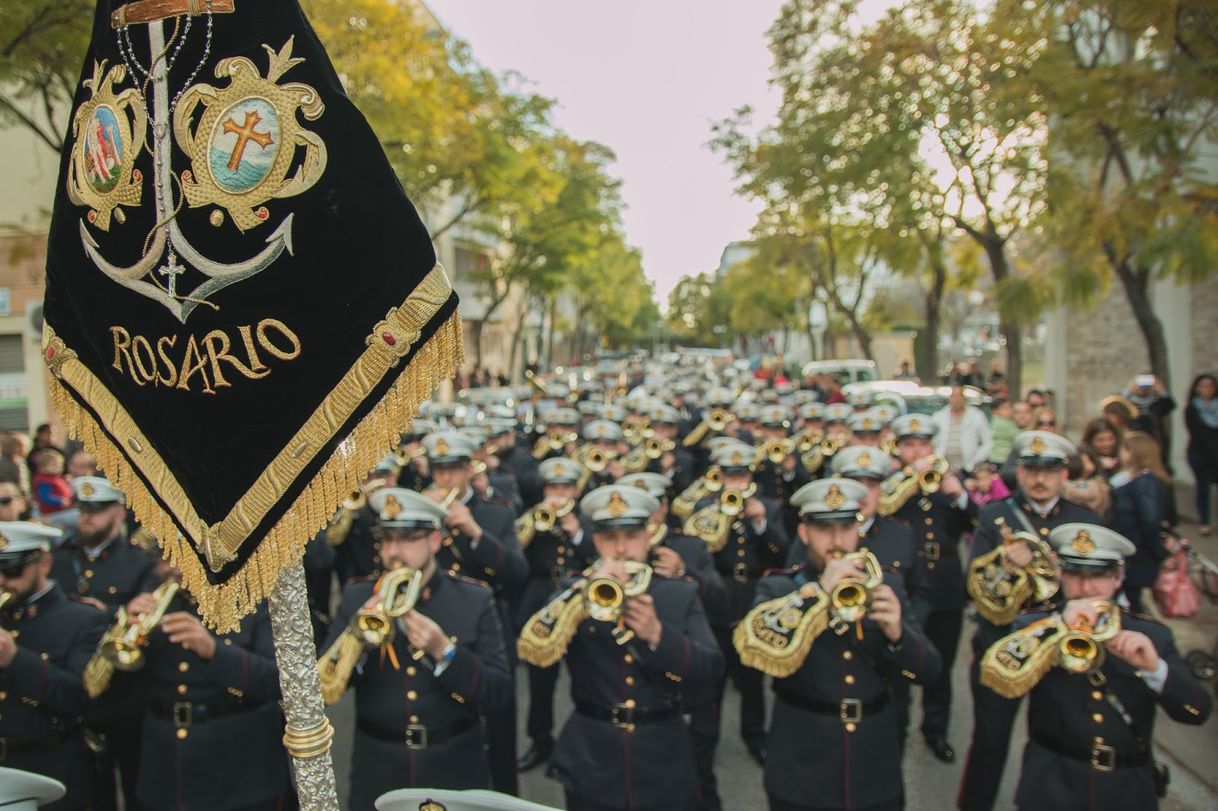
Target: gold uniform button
{"points": [[410, 671], [181, 689], [3, 696], [88, 573], [1099, 719], [849, 679], [183, 667], [629, 703], [1044, 531], [630, 681], [112, 590], [456, 567], [930, 564], [930, 521], [560, 560], [740, 553], [850, 727], [228, 642], [847, 655], [628, 659], [1097, 695], [930, 536], [411, 695], [414, 719], [181, 733]]}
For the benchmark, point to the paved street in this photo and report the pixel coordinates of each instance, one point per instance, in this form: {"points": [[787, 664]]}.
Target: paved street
{"points": [[931, 785]]}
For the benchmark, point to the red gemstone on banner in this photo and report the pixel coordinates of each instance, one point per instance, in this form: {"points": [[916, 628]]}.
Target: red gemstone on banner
{"points": [[389, 338], [262, 213], [50, 352], [137, 175]]}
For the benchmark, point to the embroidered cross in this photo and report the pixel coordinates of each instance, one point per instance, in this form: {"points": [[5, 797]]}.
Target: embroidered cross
{"points": [[245, 133]]}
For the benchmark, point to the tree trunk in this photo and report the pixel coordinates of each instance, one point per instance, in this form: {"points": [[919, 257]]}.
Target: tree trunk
{"points": [[995, 251], [1136, 282], [927, 362], [476, 334], [861, 335]]}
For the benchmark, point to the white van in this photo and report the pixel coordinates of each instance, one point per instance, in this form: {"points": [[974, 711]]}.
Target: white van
{"points": [[846, 371]]}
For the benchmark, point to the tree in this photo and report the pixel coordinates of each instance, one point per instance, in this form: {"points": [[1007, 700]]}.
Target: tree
{"points": [[699, 311], [1131, 87], [41, 50]]}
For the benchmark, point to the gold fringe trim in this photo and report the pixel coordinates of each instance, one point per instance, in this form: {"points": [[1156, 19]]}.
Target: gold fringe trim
{"points": [[776, 636], [223, 605]]}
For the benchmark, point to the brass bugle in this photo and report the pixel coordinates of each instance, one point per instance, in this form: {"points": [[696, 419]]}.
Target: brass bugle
{"points": [[718, 419], [604, 594], [5, 598], [776, 451], [851, 597], [597, 459], [123, 644], [656, 447], [731, 501], [930, 479], [546, 518], [397, 592], [1081, 651], [405, 457]]}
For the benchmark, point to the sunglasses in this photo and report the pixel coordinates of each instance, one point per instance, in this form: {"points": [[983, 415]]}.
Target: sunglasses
{"points": [[1047, 422], [13, 571]]}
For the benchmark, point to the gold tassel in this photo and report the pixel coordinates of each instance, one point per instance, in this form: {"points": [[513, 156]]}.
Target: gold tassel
{"points": [[1016, 663], [777, 635], [222, 606], [545, 637]]}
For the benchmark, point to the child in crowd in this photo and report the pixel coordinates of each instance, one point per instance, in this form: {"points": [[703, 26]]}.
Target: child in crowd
{"points": [[52, 493]]}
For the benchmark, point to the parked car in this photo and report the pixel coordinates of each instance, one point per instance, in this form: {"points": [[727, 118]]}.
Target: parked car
{"points": [[911, 397]]}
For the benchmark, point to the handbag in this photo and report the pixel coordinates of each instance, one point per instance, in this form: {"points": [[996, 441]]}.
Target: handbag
{"points": [[1175, 593]]}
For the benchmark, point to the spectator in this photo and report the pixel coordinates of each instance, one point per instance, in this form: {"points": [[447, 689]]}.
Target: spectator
{"points": [[52, 493], [81, 463], [13, 506], [1002, 430], [1023, 416], [1153, 402], [903, 372], [44, 437], [833, 391], [1104, 441], [1141, 510], [1046, 420], [14, 450], [1087, 485], [1201, 419], [997, 376], [984, 485], [1036, 399], [964, 434], [1118, 412]]}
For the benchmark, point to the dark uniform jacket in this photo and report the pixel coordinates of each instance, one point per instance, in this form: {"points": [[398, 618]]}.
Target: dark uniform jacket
{"points": [[684, 469], [772, 483], [221, 712], [390, 699], [988, 537], [651, 765], [521, 464], [120, 572], [1141, 510], [357, 553], [41, 693], [1068, 711], [497, 560], [938, 525], [552, 557], [850, 763], [749, 554]]}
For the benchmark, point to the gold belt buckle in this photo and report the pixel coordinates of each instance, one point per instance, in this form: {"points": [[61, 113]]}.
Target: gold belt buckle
{"points": [[416, 736], [851, 711], [183, 714], [1103, 758], [931, 550], [740, 573], [622, 717]]}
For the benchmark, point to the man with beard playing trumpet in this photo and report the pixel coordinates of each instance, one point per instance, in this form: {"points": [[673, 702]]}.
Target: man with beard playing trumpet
{"points": [[626, 745], [439, 667], [1096, 675], [835, 634]]}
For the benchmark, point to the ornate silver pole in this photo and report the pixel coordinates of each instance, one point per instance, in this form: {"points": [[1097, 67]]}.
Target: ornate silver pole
{"points": [[308, 733]]}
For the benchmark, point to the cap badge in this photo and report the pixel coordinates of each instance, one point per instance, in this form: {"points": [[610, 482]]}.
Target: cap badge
{"points": [[834, 499], [441, 447], [1082, 543], [560, 469], [737, 458], [1038, 446], [393, 508], [617, 505], [87, 490], [3, 543], [915, 426], [864, 459], [868, 425]]}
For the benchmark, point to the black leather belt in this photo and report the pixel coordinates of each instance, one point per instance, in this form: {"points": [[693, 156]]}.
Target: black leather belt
{"points": [[1101, 758], [415, 736], [187, 713], [741, 573], [624, 717], [933, 550], [849, 710]]}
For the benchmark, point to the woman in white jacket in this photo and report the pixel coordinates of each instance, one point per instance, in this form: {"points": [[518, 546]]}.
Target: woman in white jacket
{"points": [[964, 432]]}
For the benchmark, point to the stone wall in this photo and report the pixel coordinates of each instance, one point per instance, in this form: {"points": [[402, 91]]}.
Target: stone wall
{"points": [[1105, 349], [1204, 299]]}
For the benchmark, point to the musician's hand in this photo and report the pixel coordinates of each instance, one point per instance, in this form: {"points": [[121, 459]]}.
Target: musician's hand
{"points": [[667, 563], [569, 524], [186, 630], [1017, 554], [461, 519], [615, 469], [373, 603], [480, 483], [8, 648], [754, 510], [492, 461], [886, 612], [1136, 649], [788, 464], [425, 634], [668, 460], [613, 568], [141, 604], [838, 569], [422, 466], [93, 602], [640, 616], [1077, 612]]}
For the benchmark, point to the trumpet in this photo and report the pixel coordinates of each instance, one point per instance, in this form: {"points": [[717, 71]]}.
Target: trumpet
{"points": [[405, 457], [1000, 592], [776, 452], [545, 518], [851, 597], [553, 443], [655, 448], [1081, 651], [930, 479], [605, 596], [818, 453], [715, 422], [595, 458], [124, 643], [397, 593], [900, 487], [537, 382], [713, 523], [5, 598]]}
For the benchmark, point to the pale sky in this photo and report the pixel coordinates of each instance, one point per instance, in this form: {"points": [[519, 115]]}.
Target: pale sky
{"points": [[646, 79]]}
